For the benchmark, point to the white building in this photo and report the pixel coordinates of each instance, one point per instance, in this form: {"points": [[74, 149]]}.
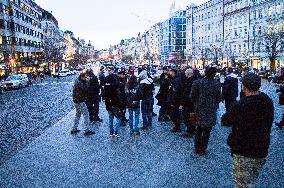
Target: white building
{"points": [[152, 40], [266, 17], [236, 30], [204, 31]]}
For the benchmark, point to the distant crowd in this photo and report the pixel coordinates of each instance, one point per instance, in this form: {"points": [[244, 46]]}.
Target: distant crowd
{"points": [[184, 96]]}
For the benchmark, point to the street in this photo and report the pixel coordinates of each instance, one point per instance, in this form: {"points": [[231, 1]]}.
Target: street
{"points": [[26, 113], [37, 143]]}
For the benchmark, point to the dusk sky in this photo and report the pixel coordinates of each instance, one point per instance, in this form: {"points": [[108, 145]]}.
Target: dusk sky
{"points": [[106, 22]]}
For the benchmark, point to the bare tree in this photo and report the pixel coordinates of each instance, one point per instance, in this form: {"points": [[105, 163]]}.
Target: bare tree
{"points": [[273, 45], [216, 53], [204, 54]]}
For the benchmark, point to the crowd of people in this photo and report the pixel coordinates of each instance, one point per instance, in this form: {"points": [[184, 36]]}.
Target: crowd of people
{"points": [[184, 96]]}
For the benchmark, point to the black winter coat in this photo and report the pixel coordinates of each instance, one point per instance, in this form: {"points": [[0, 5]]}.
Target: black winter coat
{"points": [[174, 95], [186, 101], [164, 90], [80, 89], [113, 96], [94, 87], [230, 88], [252, 118]]}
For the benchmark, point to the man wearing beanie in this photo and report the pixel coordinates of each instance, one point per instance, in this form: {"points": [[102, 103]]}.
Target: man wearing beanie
{"points": [[252, 119]]}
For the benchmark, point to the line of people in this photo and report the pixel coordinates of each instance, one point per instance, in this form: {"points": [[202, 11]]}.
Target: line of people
{"points": [[185, 96]]}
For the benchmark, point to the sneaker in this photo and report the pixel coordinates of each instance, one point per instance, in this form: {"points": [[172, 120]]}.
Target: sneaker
{"points": [[144, 127], [116, 134], [280, 125], [97, 119], [89, 133], [137, 133], [201, 152], [111, 133], [176, 130], [161, 119], [75, 131]]}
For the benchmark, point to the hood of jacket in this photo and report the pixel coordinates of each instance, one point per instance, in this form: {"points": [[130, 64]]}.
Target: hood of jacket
{"points": [[147, 81]]}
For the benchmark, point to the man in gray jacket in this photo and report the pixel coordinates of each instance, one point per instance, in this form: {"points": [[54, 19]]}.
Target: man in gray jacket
{"points": [[80, 89], [206, 96]]}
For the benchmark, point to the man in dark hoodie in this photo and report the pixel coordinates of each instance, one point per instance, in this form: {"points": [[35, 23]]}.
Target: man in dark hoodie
{"points": [[252, 118], [114, 102], [230, 89], [80, 89], [93, 97], [174, 100]]}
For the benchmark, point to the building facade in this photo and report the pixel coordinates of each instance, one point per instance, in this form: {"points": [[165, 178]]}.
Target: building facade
{"points": [[204, 32], [152, 42], [21, 34], [173, 38], [267, 27]]}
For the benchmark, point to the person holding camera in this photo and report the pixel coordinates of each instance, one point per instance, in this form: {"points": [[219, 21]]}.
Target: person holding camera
{"points": [[114, 101]]}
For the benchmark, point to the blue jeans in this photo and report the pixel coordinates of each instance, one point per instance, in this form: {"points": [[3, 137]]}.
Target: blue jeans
{"points": [[136, 113], [117, 123]]}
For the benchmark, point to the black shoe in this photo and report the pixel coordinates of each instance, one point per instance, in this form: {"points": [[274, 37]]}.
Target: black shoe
{"points": [[166, 118], [111, 133], [116, 134], [201, 152], [136, 133], [144, 127], [176, 130], [97, 119], [280, 125], [154, 114], [75, 131], [187, 135], [89, 133]]}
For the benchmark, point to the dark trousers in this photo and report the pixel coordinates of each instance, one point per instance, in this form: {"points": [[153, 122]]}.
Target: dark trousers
{"points": [[202, 138], [190, 128], [229, 103], [175, 116], [163, 110], [93, 104], [282, 121]]}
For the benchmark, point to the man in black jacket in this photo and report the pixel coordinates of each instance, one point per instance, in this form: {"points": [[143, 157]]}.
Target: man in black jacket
{"points": [[114, 102], [174, 100], [186, 102], [80, 89], [252, 119], [93, 97], [230, 89], [162, 95]]}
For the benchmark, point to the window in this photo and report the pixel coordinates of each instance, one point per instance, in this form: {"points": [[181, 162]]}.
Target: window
{"points": [[270, 11], [1, 40], [283, 27], [269, 30], [259, 30], [278, 9], [276, 28]]}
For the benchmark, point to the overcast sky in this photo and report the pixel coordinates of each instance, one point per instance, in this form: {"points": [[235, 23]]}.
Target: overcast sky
{"points": [[106, 22]]}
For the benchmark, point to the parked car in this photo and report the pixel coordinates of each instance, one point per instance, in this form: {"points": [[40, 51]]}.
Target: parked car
{"points": [[64, 73], [15, 82]]}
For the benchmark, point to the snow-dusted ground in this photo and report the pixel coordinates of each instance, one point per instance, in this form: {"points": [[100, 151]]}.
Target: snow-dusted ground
{"points": [[157, 158]]}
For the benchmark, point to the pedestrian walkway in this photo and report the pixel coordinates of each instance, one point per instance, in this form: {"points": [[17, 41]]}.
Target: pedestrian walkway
{"points": [[157, 158]]}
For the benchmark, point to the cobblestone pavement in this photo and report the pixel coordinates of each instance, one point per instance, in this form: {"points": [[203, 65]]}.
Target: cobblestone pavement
{"points": [[26, 113], [157, 158]]}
